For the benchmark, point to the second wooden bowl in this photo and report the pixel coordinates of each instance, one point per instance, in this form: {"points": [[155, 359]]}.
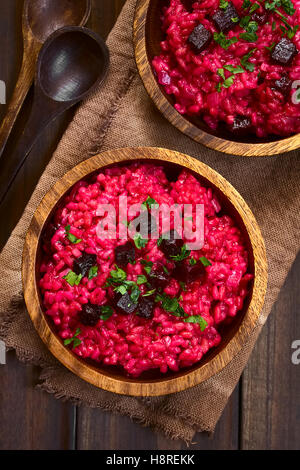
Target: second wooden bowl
{"points": [[147, 36], [233, 336]]}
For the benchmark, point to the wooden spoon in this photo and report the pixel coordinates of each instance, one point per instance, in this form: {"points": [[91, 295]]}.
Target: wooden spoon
{"points": [[40, 19], [72, 63]]}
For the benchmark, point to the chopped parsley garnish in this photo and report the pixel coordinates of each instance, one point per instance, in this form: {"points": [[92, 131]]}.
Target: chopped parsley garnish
{"points": [[72, 237], [141, 279], [245, 21], [93, 272], [254, 7], [224, 42], [288, 7], [117, 276], [228, 81], [205, 261], [171, 305], [72, 278], [274, 25], [270, 48], [246, 4], [235, 19], [291, 32], [197, 319], [223, 4], [135, 293], [233, 69], [118, 279], [193, 261], [147, 265], [183, 255], [150, 292], [149, 202], [245, 63], [140, 242], [76, 341], [165, 269], [249, 37], [107, 311]]}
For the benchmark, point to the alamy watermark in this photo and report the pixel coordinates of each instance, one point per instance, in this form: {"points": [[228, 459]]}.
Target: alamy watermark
{"points": [[296, 354], [296, 92], [2, 92], [2, 353], [147, 220]]}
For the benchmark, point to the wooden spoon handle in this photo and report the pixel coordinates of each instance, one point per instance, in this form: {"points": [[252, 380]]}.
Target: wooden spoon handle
{"points": [[24, 82], [10, 167]]}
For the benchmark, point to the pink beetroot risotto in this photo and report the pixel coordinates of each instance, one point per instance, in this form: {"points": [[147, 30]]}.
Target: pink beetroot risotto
{"points": [[144, 303], [234, 63]]}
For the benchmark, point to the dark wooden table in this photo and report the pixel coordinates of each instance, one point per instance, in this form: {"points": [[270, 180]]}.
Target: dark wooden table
{"points": [[264, 410]]}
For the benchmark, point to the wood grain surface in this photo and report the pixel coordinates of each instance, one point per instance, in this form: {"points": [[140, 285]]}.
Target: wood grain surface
{"points": [[263, 412], [147, 37], [233, 339]]}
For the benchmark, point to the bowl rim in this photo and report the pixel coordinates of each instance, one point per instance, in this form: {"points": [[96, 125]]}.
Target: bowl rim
{"points": [[233, 148], [91, 374]]}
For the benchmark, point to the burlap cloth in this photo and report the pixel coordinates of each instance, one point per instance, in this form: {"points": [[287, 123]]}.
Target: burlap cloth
{"points": [[121, 114]]}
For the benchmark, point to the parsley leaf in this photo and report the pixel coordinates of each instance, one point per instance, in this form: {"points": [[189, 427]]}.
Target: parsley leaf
{"points": [[76, 341], [139, 241], [205, 261], [288, 7], [197, 319], [150, 292], [244, 61], [141, 279], [171, 305], [107, 311], [93, 272], [72, 237], [117, 275], [223, 4], [246, 4], [249, 37], [72, 278], [147, 265], [135, 293], [224, 42], [254, 7], [184, 254]]}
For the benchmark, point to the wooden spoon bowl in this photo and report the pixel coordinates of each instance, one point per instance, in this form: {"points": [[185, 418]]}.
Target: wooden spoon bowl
{"points": [[233, 336], [147, 37]]}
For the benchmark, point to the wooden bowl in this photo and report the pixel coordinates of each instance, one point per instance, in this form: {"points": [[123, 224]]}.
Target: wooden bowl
{"points": [[234, 336], [147, 36]]}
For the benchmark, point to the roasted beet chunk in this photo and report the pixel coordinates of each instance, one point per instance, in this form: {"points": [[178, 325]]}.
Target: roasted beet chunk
{"points": [[146, 307], [90, 314], [171, 245], [223, 18], [284, 51], [159, 277], [83, 264], [125, 305], [200, 38], [241, 125], [124, 254], [283, 84], [187, 273]]}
